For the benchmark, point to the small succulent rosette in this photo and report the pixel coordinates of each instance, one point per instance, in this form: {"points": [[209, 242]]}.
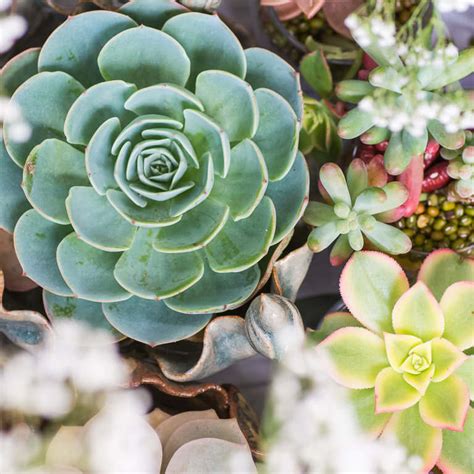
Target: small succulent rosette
{"points": [[404, 353], [355, 213], [161, 169]]}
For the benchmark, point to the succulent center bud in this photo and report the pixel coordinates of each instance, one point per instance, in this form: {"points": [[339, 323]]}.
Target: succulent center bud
{"points": [[342, 210], [418, 359]]}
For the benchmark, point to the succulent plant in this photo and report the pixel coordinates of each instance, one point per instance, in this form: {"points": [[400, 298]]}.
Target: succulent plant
{"points": [[288, 9], [461, 167], [162, 166], [404, 352], [354, 210]]}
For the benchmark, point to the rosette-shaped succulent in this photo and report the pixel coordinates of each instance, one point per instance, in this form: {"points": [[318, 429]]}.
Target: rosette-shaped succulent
{"points": [[405, 350], [161, 168], [355, 210]]}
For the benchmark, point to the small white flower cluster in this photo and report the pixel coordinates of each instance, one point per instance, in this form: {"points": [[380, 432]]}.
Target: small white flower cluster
{"points": [[318, 430], [372, 31], [445, 6], [418, 56], [12, 27]]}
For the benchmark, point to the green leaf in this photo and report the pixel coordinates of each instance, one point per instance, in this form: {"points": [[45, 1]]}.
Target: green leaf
{"points": [[16, 71], [355, 123], [207, 136], [44, 101], [223, 52], [154, 13], [363, 402], [353, 91], [97, 105], [59, 307], [322, 237], [398, 347], [146, 272], [418, 313], [445, 404], [318, 214], [216, 292], [266, 70], [357, 178], [246, 182], [466, 373], [51, 170], [14, 202], [375, 135], [152, 322], [36, 242], [86, 209], [355, 356], [88, 271], [341, 250], [414, 145], [370, 200], [195, 230], [446, 358], [371, 283], [392, 393], [388, 238], [334, 182], [444, 267], [316, 72], [397, 157], [387, 77], [289, 196], [420, 381], [451, 141], [222, 94], [331, 323], [241, 244], [276, 138], [75, 45], [145, 57], [457, 304], [396, 193], [356, 240]]}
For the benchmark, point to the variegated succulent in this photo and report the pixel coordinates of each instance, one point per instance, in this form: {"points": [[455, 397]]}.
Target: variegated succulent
{"points": [[404, 352], [355, 210], [162, 166]]}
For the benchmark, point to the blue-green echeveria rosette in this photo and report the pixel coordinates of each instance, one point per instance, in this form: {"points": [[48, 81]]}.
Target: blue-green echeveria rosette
{"points": [[162, 167]]}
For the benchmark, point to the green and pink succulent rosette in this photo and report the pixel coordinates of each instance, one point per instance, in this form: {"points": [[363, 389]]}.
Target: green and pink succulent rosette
{"points": [[162, 168], [405, 353]]}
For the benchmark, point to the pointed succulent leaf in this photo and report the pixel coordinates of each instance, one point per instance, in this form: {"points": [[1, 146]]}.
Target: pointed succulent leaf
{"points": [[418, 313], [318, 214], [44, 100], [341, 250], [322, 237], [420, 381], [334, 182], [388, 238], [445, 404], [152, 322], [223, 53], [392, 393], [36, 242], [16, 71], [446, 358], [466, 373], [316, 72], [152, 12], [355, 356], [363, 402], [355, 123], [357, 178], [444, 267], [451, 141], [398, 347], [331, 323], [397, 156], [144, 56], [371, 284], [353, 91]]}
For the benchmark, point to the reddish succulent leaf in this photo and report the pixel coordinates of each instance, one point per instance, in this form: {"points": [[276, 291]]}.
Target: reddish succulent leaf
{"points": [[336, 12]]}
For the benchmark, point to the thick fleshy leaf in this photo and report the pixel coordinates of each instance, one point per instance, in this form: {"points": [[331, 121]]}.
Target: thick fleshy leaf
{"points": [[276, 138], [246, 182], [396, 194], [375, 135], [397, 157], [466, 373], [354, 124], [355, 356], [456, 455], [457, 304], [36, 241], [59, 307], [266, 70], [207, 136], [241, 244], [445, 404], [416, 436], [151, 274], [78, 41], [144, 56], [96, 105], [331, 323], [152, 322], [88, 271], [322, 237], [216, 292], [154, 13], [392, 393], [418, 313], [51, 170], [317, 73], [44, 101], [223, 52], [388, 238], [334, 182], [451, 141], [356, 240], [377, 173], [14, 202], [414, 145], [318, 214], [446, 358], [357, 178], [363, 402], [398, 346], [222, 94], [420, 381], [444, 267], [387, 77], [195, 230], [462, 68], [369, 200], [290, 196], [371, 284], [340, 251], [86, 209], [353, 91], [16, 71]]}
